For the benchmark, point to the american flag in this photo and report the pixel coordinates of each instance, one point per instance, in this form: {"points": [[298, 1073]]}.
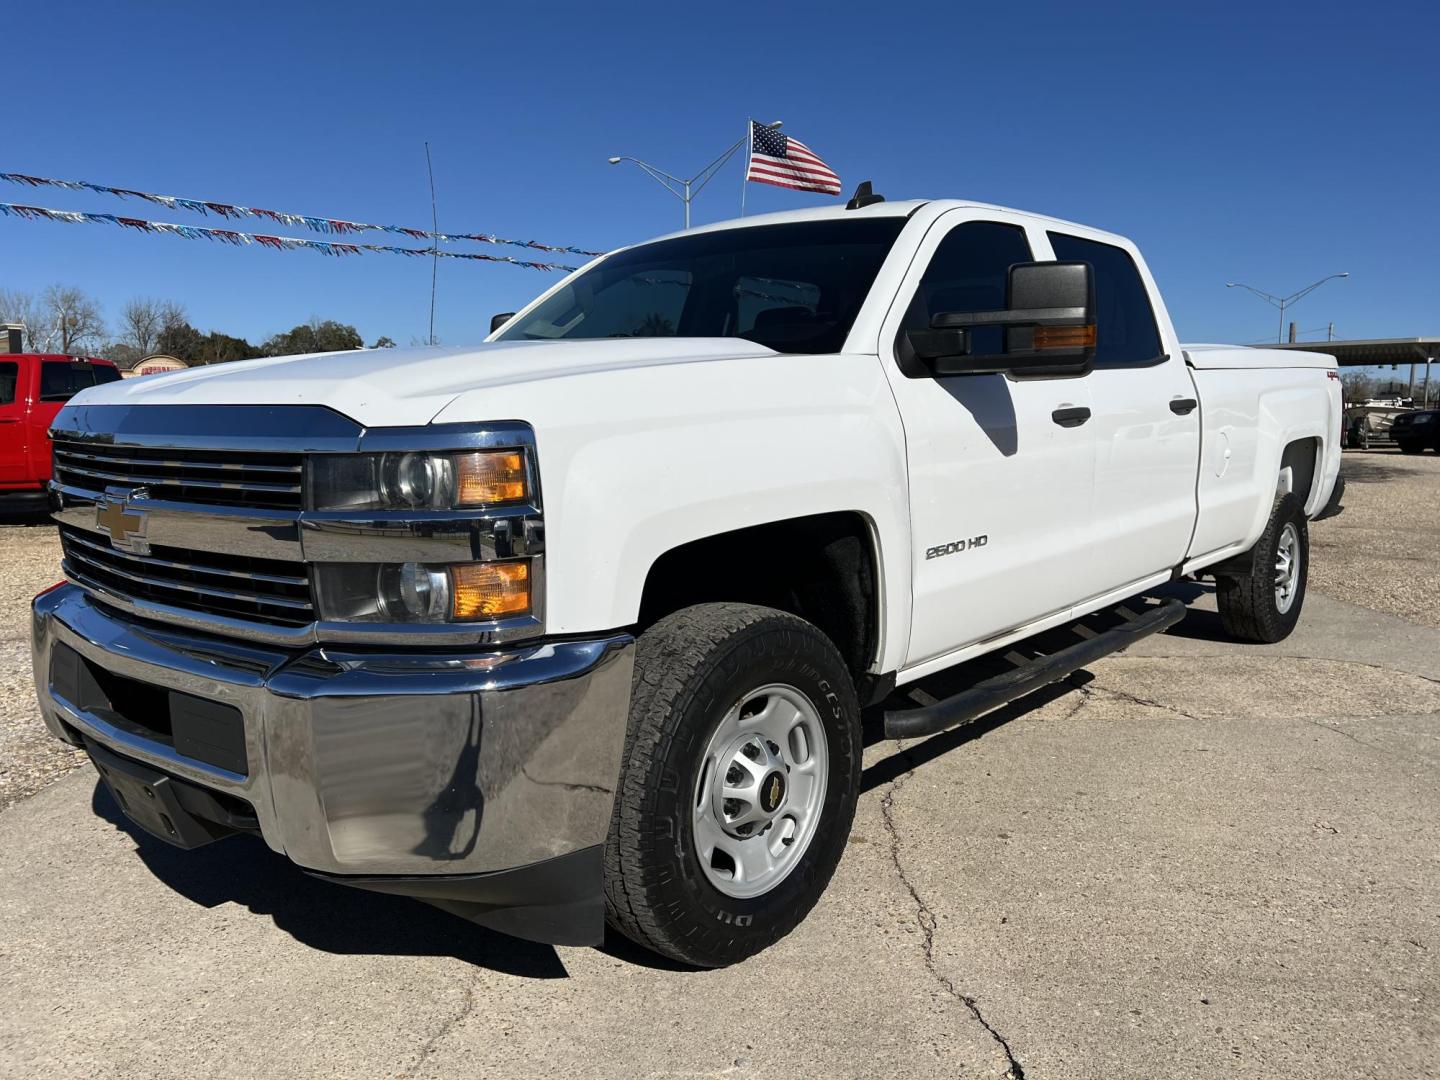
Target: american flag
{"points": [[785, 162]]}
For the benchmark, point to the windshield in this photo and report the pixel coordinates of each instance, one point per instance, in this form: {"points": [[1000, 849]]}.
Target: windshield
{"points": [[793, 288]]}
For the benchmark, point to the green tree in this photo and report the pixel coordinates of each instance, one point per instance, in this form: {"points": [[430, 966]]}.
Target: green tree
{"points": [[314, 336], [218, 348], [180, 340], [383, 343]]}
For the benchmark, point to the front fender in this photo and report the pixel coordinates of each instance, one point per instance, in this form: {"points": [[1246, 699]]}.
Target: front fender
{"points": [[634, 463]]}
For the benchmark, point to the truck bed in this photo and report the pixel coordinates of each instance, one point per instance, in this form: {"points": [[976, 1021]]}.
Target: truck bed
{"points": [[1220, 357]]}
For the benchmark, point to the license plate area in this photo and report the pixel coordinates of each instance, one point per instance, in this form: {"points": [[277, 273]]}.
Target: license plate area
{"points": [[208, 731], [152, 800]]}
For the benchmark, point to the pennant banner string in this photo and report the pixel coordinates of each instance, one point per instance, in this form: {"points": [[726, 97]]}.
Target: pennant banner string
{"points": [[334, 226], [279, 243]]}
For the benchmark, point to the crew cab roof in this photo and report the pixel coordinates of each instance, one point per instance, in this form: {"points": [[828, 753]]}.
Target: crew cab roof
{"points": [[900, 208]]}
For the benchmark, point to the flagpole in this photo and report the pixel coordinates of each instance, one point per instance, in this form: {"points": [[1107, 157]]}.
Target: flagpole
{"points": [[749, 149]]}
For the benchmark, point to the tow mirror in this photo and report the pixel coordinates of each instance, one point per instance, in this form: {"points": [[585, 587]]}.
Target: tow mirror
{"points": [[1048, 323], [497, 321]]}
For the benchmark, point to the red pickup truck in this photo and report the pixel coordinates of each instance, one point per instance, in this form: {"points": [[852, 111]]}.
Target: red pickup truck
{"points": [[33, 387]]}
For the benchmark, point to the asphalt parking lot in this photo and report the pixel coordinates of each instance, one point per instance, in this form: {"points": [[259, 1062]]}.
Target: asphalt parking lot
{"points": [[1196, 859]]}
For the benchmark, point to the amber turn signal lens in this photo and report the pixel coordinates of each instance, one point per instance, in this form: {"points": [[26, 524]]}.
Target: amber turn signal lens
{"points": [[1065, 337], [485, 478], [489, 590]]}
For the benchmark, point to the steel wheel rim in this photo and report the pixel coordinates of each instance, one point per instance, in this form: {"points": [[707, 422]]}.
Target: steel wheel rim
{"points": [[749, 831], [1287, 567]]}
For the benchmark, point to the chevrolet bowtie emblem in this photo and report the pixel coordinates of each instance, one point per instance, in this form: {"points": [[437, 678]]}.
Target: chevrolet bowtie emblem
{"points": [[124, 524]]}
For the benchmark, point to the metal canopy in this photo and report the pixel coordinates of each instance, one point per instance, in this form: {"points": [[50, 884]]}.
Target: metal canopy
{"points": [[1371, 352]]}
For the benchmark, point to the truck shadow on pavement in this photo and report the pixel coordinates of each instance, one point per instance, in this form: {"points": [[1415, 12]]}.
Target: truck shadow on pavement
{"points": [[920, 753], [330, 918]]}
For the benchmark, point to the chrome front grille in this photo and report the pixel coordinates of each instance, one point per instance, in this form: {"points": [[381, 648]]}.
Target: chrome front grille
{"points": [[265, 590], [264, 480]]}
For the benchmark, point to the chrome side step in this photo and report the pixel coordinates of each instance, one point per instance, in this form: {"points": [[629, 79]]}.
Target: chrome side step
{"points": [[1030, 675]]}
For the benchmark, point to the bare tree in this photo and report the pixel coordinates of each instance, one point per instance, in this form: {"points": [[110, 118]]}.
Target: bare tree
{"points": [[20, 307], [172, 315], [72, 319], [141, 321], [1358, 386]]}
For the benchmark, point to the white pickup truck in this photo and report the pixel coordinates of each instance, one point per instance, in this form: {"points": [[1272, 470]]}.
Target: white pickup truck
{"points": [[577, 625]]}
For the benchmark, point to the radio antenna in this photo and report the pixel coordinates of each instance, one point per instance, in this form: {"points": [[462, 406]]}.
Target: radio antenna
{"points": [[434, 241]]}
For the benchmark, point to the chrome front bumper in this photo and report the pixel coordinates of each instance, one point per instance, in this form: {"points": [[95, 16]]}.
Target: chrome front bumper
{"points": [[368, 762]]}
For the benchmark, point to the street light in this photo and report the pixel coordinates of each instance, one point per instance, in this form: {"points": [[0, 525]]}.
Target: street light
{"points": [[1283, 302], [686, 190]]}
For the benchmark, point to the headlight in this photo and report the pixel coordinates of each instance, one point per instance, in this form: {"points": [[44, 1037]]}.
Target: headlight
{"points": [[413, 592], [420, 480]]}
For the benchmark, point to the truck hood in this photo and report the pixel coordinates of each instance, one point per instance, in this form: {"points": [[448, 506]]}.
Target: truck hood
{"points": [[398, 387]]}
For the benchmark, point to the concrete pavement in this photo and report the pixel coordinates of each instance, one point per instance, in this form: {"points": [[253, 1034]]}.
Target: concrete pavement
{"points": [[1198, 859]]}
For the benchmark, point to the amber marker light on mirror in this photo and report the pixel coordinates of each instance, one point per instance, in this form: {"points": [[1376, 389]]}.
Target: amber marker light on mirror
{"points": [[1065, 337], [489, 590], [490, 477]]}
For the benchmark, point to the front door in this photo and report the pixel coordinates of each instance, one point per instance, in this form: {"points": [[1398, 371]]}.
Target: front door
{"points": [[1001, 468]]}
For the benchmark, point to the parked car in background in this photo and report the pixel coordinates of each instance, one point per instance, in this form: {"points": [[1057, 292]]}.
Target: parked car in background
{"points": [[1417, 431], [1369, 421], [33, 388]]}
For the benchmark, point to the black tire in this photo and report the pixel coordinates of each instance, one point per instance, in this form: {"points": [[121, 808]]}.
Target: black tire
{"points": [[691, 668], [1412, 447], [1249, 607]]}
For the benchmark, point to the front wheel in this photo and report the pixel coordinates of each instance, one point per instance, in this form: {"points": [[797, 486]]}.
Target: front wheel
{"points": [[1264, 604], [1409, 447], [741, 773]]}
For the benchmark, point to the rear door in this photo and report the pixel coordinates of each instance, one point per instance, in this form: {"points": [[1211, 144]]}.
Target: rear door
{"points": [[1145, 425], [12, 427], [1000, 467]]}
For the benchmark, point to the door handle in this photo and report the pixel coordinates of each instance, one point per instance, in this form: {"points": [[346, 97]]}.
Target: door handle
{"points": [[1183, 406], [1072, 416]]}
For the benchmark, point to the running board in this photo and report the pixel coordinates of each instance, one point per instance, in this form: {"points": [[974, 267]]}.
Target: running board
{"points": [[1030, 675]]}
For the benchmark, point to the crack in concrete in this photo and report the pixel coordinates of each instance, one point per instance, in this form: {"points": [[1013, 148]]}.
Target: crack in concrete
{"points": [[565, 784], [928, 924], [1085, 695], [467, 1006], [1136, 699]]}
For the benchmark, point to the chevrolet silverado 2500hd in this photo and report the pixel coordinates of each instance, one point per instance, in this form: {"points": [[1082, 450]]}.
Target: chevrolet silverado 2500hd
{"points": [[576, 625]]}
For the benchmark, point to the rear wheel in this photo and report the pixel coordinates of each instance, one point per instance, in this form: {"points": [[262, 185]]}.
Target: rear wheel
{"points": [[1408, 447], [742, 768], [1264, 604]]}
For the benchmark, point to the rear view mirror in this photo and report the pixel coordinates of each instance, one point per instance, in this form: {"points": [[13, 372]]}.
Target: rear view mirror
{"points": [[1048, 319], [497, 321]]}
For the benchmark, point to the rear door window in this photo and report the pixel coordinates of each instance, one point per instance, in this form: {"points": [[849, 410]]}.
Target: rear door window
{"points": [[1126, 334], [9, 381], [60, 380]]}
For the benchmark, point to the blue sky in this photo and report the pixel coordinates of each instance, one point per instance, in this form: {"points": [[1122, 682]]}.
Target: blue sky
{"points": [[1265, 144]]}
